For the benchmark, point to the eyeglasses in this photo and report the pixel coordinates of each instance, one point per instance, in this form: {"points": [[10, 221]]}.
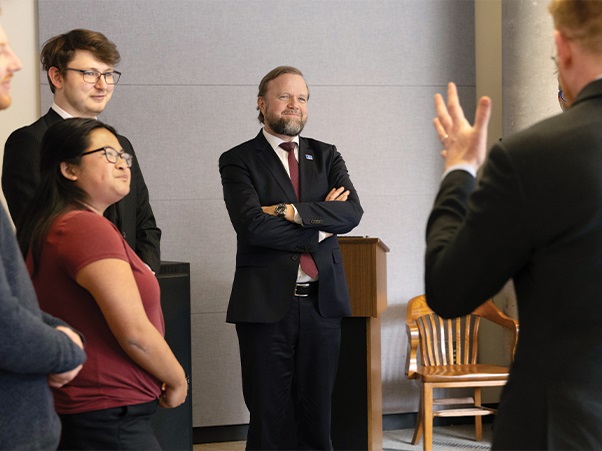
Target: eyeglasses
{"points": [[93, 76], [113, 155]]}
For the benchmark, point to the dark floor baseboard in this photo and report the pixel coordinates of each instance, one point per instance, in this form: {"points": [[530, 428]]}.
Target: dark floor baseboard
{"points": [[392, 421], [217, 434]]}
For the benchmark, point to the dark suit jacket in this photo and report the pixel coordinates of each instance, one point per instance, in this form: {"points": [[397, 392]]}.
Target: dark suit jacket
{"points": [[268, 248], [133, 215], [535, 216]]}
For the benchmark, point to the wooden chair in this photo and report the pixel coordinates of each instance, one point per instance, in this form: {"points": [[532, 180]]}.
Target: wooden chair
{"points": [[448, 359]]}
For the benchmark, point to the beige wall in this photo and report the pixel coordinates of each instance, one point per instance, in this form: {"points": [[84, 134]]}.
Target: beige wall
{"points": [[19, 21]]}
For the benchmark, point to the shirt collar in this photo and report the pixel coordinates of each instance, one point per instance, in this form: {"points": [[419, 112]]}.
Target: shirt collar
{"points": [[62, 113], [275, 141]]}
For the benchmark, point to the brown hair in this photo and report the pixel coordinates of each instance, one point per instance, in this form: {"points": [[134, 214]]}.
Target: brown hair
{"points": [[272, 75], [579, 19], [65, 141], [60, 50]]}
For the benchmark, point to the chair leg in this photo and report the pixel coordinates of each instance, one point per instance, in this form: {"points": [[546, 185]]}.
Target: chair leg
{"points": [[418, 429], [427, 416], [478, 419]]}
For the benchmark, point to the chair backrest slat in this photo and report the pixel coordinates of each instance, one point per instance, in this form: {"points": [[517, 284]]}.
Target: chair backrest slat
{"points": [[440, 341], [448, 341]]}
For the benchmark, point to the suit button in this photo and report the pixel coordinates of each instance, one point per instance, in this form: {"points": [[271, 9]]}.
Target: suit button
{"points": [[295, 257]]}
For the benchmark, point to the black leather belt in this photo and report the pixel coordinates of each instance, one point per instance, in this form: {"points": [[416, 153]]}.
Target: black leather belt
{"points": [[303, 290]]}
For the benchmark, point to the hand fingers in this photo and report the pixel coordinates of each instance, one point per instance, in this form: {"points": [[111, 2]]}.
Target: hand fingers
{"points": [[334, 193], [453, 104], [443, 118], [343, 196], [483, 113], [441, 133]]}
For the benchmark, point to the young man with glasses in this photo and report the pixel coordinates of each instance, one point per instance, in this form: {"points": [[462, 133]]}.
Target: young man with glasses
{"points": [[80, 67]]}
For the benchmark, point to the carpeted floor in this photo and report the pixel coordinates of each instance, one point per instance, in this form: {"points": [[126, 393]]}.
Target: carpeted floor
{"points": [[445, 438]]}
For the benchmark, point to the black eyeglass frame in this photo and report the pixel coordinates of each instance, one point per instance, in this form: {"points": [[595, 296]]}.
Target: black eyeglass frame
{"points": [[127, 157], [89, 73]]}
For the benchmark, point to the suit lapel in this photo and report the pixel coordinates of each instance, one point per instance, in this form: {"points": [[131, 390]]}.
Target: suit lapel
{"points": [[267, 155], [52, 117]]}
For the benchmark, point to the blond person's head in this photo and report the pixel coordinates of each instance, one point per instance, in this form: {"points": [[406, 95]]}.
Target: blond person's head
{"points": [[579, 20], [9, 64]]}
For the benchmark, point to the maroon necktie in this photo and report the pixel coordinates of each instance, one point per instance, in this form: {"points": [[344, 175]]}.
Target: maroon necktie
{"points": [[308, 265]]}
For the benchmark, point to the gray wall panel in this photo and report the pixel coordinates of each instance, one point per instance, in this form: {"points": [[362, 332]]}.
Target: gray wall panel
{"points": [[229, 42], [199, 232], [529, 74], [191, 70], [216, 354]]}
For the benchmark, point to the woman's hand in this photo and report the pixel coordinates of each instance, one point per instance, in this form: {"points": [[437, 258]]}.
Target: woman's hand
{"points": [[173, 396]]}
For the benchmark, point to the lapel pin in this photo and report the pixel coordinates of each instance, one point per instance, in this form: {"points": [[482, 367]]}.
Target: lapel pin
{"points": [[309, 157]]}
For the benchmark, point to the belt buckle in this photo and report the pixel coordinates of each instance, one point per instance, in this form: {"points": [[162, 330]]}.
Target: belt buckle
{"points": [[301, 295]]}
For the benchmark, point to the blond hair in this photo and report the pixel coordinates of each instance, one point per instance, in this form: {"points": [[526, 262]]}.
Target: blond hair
{"points": [[581, 20]]}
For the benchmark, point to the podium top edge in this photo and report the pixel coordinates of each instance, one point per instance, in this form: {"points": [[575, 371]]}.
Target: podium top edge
{"points": [[363, 240]]}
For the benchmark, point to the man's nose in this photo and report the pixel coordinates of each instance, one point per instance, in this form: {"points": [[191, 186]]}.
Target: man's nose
{"points": [[102, 82], [15, 64], [293, 103]]}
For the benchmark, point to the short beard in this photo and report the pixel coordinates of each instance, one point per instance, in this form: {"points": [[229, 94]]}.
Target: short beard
{"points": [[286, 128]]}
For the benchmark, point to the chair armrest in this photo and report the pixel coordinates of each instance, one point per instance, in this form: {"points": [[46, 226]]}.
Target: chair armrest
{"points": [[413, 340]]}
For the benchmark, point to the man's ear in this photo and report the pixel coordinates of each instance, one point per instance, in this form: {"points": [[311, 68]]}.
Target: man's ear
{"points": [[55, 77], [68, 171], [260, 104], [564, 49]]}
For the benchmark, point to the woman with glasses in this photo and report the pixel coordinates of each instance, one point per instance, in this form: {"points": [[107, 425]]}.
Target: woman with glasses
{"points": [[85, 273]]}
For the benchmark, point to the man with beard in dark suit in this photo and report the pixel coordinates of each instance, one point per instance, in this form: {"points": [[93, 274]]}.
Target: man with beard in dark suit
{"points": [[534, 215], [80, 66], [287, 197]]}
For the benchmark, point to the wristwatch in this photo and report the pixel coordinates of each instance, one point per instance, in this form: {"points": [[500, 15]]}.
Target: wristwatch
{"points": [[280, 210]]}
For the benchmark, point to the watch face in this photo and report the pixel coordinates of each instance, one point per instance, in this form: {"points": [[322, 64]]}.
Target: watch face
{"points": [[280, 210]]}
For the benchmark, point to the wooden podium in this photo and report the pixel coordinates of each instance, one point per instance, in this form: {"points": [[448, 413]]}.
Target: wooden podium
{"points": [[357, 397]]}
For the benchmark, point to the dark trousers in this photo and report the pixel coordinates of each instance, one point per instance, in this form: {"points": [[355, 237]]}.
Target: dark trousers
{"points": [[126, 427], [295, 358]]}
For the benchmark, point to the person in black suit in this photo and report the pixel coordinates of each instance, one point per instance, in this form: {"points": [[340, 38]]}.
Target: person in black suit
{"points": [[287, 317], [80, 66], [534, 215]]}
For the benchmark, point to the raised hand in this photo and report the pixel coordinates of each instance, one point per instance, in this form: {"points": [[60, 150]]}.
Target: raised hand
{"points": [[463, 143]]}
